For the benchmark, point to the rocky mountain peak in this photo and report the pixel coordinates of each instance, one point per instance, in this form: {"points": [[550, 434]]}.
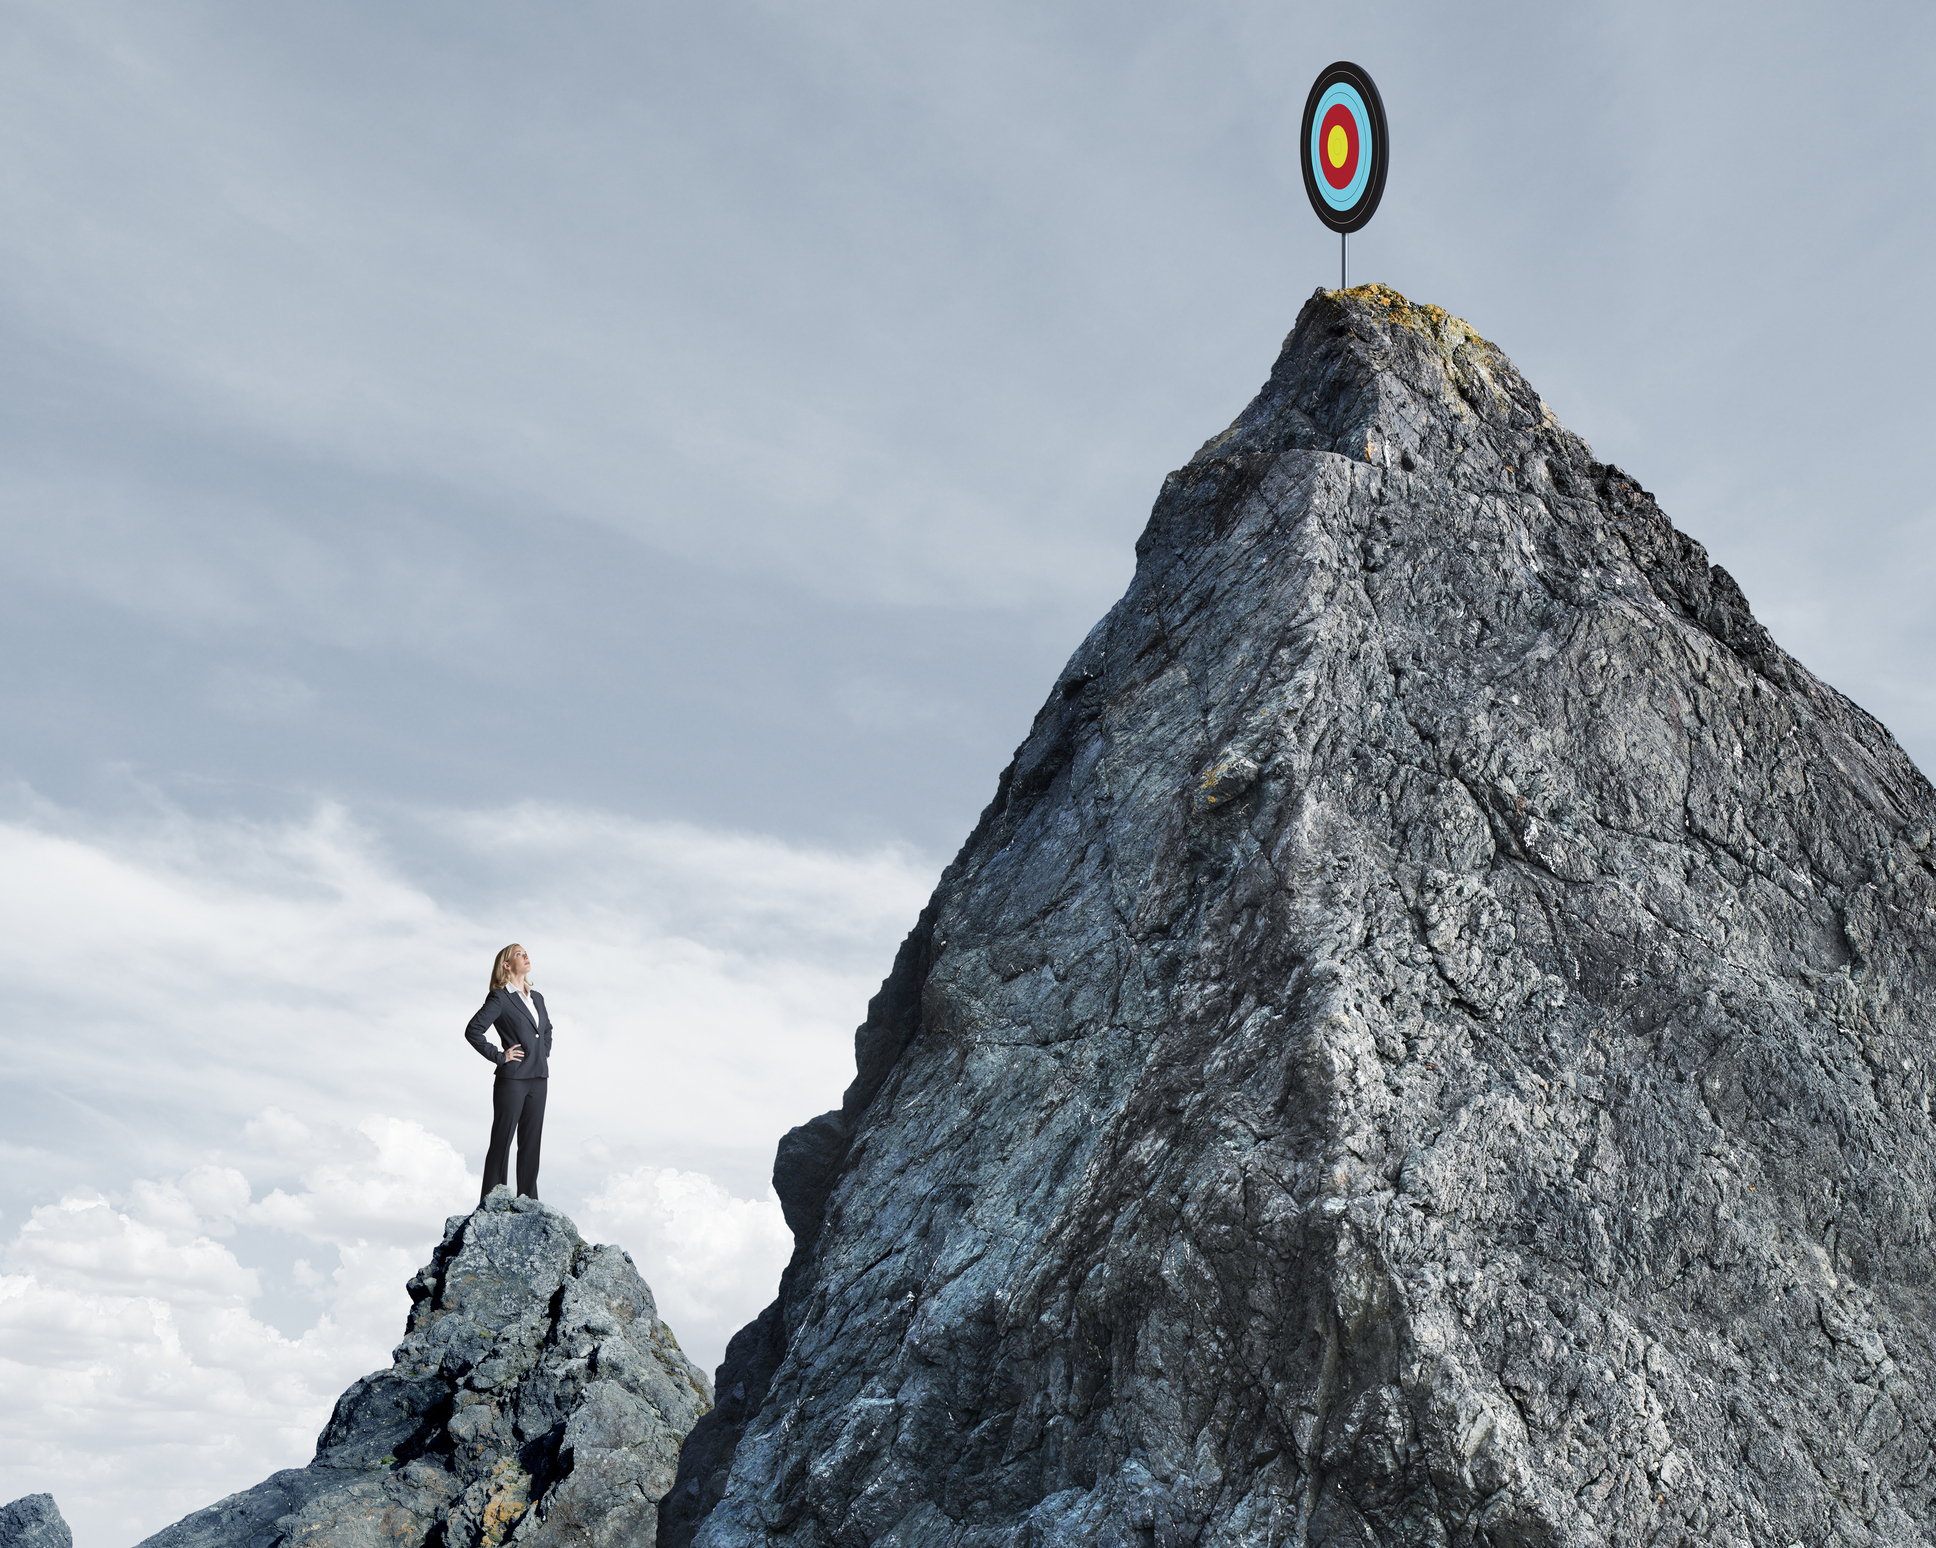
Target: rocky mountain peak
{"points": [[1429, 1043], [536, 1399], [34, 1521], [1368, 375]]}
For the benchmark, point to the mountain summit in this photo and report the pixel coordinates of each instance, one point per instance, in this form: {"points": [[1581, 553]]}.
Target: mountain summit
{"points": [[1430, 1043], [536, 1398]]}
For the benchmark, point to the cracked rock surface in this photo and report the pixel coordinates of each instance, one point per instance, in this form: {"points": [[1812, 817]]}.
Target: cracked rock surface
{"points": [[34, 1521], [536, 1399], [1429, 1044]]}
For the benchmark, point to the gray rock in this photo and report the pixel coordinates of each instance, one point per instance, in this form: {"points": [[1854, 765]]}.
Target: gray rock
{"points": [[1430, 1044], [33, 1521], [536, 1399]]}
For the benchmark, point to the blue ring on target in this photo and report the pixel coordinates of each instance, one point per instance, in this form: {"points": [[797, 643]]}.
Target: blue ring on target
{"points": [[1342, 199], [1345, 95]]}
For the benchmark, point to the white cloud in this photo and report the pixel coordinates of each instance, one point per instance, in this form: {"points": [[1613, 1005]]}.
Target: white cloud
{"points": [[202, 971], [84, 1241], [137, 1379], [707, 1255], [388, 1195], [133, 1375], [263, 1019]]}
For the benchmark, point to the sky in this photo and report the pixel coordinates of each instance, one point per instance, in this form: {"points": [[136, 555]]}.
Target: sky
{"points": [[622, 477]]}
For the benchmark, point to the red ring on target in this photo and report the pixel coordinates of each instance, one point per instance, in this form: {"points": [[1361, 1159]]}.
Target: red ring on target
{"points": [[1340, 122]]}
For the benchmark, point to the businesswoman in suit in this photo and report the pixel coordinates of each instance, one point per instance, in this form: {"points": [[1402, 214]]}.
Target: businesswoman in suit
{"points": [[522, 1055]]}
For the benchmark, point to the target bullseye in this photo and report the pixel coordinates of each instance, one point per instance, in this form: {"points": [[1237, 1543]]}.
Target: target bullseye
{"points": [[1341, 141], [1344, 147]]}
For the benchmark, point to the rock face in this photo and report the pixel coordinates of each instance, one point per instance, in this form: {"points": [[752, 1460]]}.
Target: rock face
{"points": [[34, 1521], [1429, 1044], [536, 1399]]}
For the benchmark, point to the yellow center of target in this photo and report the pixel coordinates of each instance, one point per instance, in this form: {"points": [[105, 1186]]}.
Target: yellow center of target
{"points": [[1337, 145]]}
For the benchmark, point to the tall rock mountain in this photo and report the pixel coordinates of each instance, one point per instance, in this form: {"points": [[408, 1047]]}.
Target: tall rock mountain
{"points": [[536, 1399], [1429, 1044]]}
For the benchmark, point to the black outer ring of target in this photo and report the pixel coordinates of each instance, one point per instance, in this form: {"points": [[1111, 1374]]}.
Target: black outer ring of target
{"points": [[1367, 206]]}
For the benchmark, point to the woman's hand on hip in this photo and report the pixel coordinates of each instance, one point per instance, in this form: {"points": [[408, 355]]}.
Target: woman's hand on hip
{"points": [[514, 1053]]}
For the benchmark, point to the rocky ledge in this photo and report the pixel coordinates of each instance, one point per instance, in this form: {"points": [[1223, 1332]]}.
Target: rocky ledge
{"points": [[536, 1398]]}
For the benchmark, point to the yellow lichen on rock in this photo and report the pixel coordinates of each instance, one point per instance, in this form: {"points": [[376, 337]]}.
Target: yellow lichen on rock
{"points": [[510, 1499], [1447, 331], [1230, 774]]}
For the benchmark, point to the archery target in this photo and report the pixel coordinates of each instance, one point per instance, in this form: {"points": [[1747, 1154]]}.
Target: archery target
{"points": [[1344, 147]]}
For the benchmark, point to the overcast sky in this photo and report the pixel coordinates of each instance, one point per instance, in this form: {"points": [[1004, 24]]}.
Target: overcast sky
{"points": [[622, 478]]}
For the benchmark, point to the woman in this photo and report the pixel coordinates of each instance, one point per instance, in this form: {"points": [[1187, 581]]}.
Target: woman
{"points": [[523, 1068]]}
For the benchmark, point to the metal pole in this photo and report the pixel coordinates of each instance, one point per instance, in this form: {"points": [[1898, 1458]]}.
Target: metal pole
{"points": [[1344, 267]]}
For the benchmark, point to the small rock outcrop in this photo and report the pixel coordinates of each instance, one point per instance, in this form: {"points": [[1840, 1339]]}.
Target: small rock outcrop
{"points": [[536, 1398], [33, 1521], [1430, 1046]]}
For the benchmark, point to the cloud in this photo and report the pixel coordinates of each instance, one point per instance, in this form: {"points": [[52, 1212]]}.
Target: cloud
{"points": [[204, 971], [84, 1242], [718, 891], [385, 1195], [259, 233], [137, 1378], [702, 1250], [258, 1022]]}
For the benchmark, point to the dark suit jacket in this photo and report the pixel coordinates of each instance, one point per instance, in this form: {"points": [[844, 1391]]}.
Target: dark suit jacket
{"points": [[505, 1011]]}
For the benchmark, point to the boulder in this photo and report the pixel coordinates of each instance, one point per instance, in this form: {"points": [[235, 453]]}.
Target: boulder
{"points": [[536, 1399], [33, 1521]]}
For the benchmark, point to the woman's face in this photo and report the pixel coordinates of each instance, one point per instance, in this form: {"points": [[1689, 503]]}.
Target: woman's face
{"points": [[520, 963]]}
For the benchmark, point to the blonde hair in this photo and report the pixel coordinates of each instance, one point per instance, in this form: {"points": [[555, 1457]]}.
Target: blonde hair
{"points": [[501, 969]]}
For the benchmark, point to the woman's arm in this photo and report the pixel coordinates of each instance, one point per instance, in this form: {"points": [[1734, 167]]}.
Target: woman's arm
{"points": [[480, 1024]]}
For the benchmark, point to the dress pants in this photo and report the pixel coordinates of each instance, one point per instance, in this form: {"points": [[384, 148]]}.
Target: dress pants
{"points": [[517, 1107]]}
